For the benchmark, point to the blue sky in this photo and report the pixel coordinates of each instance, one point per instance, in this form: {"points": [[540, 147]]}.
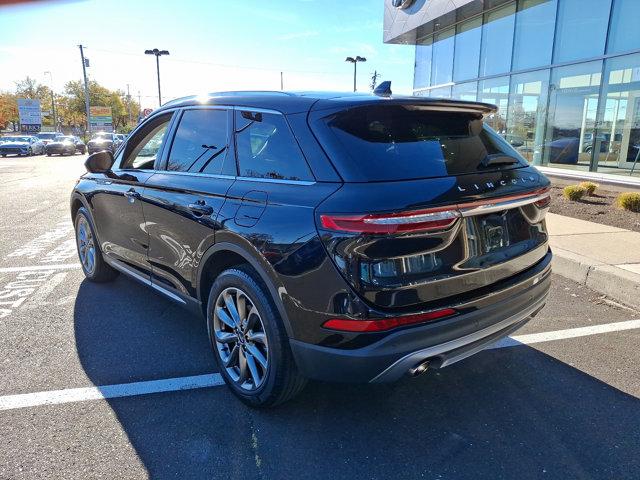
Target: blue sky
{"points": [[214, 45]]}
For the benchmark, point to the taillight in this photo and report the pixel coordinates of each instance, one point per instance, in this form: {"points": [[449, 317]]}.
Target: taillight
{"points": [[544, 202], [420, 220], [381, 325], [439, 218]]}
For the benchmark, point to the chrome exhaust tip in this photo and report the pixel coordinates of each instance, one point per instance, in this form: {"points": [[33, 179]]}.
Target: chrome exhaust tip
{"points": [[419, 369]]}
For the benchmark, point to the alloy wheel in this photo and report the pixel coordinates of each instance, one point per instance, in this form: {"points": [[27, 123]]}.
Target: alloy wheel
{"points": [[86, 245], [240, 338]]}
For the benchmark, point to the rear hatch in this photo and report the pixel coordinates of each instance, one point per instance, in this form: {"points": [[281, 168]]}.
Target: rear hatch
{"points": [[435, 204]]}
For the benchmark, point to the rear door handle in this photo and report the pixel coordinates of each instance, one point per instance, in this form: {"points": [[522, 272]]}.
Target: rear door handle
{"points": [[132, 195], [200, 208]]}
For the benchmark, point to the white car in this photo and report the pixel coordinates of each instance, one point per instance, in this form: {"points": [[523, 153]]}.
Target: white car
{"points": [[20, 145]]}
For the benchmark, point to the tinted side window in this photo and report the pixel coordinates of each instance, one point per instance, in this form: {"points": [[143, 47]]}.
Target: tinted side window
{"points": [[141, 150], [266, 148], [200, 143]]}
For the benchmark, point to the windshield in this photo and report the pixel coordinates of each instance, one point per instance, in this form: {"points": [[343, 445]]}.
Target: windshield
{"points": [[403, 142], [47, 136], [14, 139], [102, 136]]}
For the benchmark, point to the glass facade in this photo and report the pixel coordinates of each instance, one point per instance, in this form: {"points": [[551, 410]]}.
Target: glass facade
{"points": [[582, 29], [442, 57], [565, 75], [497, 40], [533, 40], [468, 37]]}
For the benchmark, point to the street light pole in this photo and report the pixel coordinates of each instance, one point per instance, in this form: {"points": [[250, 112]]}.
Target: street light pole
{"points": [[53, 102], [86, 87], [158, 54], [129, 105], [355, 61]]}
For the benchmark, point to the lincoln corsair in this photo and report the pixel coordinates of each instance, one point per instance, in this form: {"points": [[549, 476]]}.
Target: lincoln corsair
{"points": [[340, 237]]}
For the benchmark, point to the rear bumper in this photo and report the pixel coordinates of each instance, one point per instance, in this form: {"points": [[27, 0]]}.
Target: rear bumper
{"points": [[442, 342]]}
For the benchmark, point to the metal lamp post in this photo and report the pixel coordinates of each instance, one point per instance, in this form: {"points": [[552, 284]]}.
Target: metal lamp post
{"points": [[158, 54], [355, 63], [53, 103]]}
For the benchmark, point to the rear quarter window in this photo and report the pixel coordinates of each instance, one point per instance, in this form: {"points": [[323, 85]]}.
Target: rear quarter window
{"points": [[407, 142], [266, 148]]}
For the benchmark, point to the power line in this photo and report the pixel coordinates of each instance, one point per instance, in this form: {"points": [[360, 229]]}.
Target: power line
{"points": [[201, 62]]}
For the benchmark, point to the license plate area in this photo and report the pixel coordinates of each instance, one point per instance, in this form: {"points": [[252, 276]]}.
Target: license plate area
{"points": [[495, 232]]}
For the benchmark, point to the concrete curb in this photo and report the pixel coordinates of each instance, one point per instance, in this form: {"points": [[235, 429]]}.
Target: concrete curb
{"points": [[614, 282]]}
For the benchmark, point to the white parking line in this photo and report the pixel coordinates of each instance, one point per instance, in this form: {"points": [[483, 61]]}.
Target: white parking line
{"points": [[54, 397], [532, 338], [11, 402], [65, 266]]}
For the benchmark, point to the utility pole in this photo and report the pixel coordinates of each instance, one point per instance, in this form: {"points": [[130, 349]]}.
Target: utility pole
{"points": [[374, 79], [281, 82], [129, 104], [86, 87], [53, 102]]}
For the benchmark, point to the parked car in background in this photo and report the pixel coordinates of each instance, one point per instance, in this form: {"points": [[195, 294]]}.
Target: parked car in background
{"points": [[47, 137], [327, 236], [603, 139], [80, 146], [562, 150], [65, 145], [103, 141], [23, 145]]}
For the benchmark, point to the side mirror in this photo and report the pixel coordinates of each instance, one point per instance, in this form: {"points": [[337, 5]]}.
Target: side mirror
{"points": [[99, 162]]}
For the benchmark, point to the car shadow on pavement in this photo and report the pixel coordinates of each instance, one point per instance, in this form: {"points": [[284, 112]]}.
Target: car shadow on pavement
{"points": [[507, 413]]}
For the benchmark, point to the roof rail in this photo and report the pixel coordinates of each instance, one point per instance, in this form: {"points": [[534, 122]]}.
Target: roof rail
{"points": [[227, 94]]}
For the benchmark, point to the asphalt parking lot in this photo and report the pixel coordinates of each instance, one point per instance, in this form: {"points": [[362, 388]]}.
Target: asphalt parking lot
{"points": [[559, 400]]}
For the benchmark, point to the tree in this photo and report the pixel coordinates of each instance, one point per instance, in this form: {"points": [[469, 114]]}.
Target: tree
{"points": [[30, 88], [8, 110], [67, 116], [100, 96]]}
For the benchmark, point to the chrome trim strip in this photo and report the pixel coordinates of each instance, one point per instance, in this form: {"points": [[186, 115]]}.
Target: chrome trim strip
{"points": [[505, 205], [277, 180], [195, 174], [254, 109], [418, 218], [167, 293], [118, 265], [462, 341]]}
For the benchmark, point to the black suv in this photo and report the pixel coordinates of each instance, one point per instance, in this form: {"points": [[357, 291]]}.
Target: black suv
{"points": [[339, 237]]}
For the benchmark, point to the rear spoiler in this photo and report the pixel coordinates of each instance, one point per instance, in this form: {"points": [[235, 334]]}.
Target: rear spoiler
{"points": [[438, 104]]}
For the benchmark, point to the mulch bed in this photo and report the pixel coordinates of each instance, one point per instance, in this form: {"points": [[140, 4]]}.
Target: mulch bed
{"points": [[598, 208]]}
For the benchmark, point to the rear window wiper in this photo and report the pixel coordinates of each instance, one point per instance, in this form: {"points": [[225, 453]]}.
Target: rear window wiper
{"points": [[499, 159]]}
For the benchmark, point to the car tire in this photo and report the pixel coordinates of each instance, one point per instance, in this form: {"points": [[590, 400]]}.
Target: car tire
{"points": [[91, 260], [280, 379]]}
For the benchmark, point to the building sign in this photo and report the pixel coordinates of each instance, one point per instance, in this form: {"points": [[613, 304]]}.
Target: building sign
{"points": [[30, 115], [100, 119], [402, 4]]}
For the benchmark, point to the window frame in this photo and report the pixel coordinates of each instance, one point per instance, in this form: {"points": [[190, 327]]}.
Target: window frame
{"points": [[162, 166], [119, 155], [261, 179]]}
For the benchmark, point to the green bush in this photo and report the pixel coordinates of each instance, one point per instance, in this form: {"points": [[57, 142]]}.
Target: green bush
{"points": [[629, 201], [590, 187], [574, 192]]}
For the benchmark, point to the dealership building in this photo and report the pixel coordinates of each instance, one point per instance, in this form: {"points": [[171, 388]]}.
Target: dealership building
{"points": [[565, 74]]}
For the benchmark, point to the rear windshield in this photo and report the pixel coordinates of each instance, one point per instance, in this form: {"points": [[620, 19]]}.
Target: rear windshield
{"points": [[405, 142]]}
